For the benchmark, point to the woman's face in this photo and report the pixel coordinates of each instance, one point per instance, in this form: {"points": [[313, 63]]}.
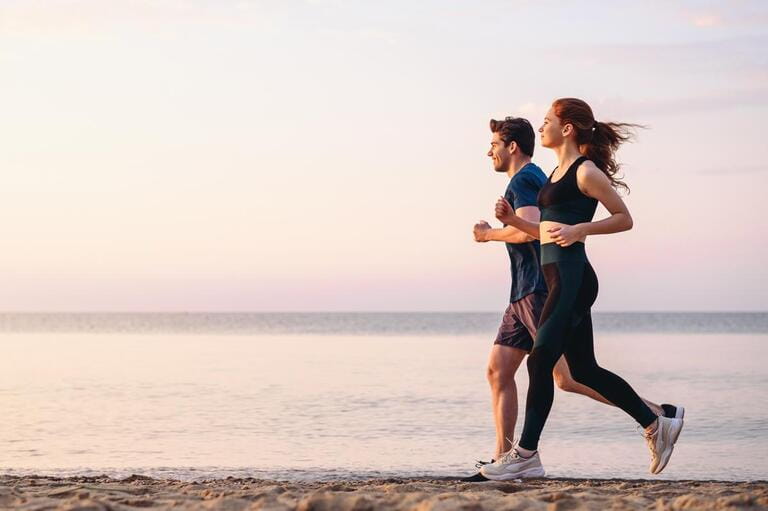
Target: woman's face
{"points": [[551, 130]]}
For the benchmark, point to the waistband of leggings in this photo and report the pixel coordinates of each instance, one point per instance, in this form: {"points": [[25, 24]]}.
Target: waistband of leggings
{"points": [[552, 252]]}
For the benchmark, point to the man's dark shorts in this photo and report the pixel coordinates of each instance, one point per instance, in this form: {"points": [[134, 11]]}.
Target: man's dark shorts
{"points": [[518, 328]]}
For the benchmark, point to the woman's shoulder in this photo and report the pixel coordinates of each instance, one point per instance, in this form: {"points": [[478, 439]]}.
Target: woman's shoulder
{"points": [[589, 176], [588, 170]]}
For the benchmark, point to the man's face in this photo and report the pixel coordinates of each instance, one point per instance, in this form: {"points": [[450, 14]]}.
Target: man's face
{"points": [[500, 153]]}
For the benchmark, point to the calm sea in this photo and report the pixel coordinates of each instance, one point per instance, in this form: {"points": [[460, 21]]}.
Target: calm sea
{"points": [[320, 396]]}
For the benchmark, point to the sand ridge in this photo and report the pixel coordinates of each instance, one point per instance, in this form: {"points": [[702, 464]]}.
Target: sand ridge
{"points": [[139, 492]]}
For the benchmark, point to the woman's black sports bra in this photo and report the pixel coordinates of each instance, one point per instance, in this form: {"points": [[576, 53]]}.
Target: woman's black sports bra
{"points": [[563, 202]]}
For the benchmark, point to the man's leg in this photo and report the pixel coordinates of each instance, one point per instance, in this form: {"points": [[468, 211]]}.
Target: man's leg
{"points": [[565, 381], [502, 366]]}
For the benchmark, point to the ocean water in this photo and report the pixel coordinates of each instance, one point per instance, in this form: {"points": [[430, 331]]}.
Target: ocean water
{"points": [[322, 396]]}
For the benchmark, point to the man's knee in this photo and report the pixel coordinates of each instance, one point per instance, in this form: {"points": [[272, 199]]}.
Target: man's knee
{"points": [[503, 365], [500, 376]]}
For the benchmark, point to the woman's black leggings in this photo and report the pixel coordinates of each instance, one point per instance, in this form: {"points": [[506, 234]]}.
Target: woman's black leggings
{"points": [[565, 328]]}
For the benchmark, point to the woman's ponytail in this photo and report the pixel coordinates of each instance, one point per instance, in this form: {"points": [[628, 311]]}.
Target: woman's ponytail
{"points": [[598, 141]]}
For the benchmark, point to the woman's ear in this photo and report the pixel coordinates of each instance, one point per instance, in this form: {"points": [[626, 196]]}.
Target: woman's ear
{"points": [[567, 129]]}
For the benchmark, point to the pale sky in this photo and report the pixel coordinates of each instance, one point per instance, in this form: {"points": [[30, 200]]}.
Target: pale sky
{"points": [[325, 155]]}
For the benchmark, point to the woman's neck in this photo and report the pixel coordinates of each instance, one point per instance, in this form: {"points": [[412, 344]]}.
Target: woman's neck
{"points": [[567, 154]]}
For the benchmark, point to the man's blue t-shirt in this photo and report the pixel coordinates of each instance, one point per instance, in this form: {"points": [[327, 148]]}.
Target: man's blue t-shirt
{"points": [[527, 278]]}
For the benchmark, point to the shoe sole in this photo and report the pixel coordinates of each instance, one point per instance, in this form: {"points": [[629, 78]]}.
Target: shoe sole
{"points": [[476, 478], [530, 473], [675, 429]]}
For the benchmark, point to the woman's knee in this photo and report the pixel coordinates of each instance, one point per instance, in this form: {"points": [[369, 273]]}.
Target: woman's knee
{"points": [[541, 361], [564, 378], [582, 372], [565, 382]]}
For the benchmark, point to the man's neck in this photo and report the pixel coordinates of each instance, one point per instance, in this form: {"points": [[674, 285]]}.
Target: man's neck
{"points": [[516, 165]]}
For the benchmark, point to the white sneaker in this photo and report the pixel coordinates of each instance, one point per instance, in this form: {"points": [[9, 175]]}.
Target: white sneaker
{"points": [[662, 441], [673, 411], [511, 465]]}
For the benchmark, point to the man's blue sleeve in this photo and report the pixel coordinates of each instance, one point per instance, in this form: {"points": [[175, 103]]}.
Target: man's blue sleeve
{"points": [[526, 190]]}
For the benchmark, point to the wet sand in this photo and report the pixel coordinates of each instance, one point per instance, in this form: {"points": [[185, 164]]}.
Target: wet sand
{"points": [[139, 492]]}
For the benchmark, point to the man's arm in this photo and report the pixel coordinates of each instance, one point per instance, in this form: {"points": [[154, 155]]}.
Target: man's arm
{"points": [[508, 234], [505, 214]]}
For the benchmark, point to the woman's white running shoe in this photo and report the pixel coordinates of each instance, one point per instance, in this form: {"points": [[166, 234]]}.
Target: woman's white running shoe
{"points": [[511, 465], [673, 411], [662, 441]]}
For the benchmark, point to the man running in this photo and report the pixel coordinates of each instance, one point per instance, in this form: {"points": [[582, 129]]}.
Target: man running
{"points": [[512, 145]]}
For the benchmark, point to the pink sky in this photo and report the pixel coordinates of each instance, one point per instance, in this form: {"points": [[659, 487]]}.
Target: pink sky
{"points": [[328, 155]]}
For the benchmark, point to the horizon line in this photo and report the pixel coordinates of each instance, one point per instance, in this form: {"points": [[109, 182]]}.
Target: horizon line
{"points": [[191, 312]]}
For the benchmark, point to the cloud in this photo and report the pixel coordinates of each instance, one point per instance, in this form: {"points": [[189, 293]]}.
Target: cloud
{"points": [[370, 34], [745, 15], [718, 101], [707, 21], [749, 169], [531, 109], [81, 17], [622, 108], [325, 3]]}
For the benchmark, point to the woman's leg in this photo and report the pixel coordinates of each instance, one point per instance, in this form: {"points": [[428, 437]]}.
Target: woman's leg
{"points": [[566, 327], [564, 381], [660, 432], [563, 280], [580, 354]]}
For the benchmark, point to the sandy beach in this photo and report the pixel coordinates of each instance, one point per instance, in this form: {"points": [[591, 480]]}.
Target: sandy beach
{"points": [[140, 492]]}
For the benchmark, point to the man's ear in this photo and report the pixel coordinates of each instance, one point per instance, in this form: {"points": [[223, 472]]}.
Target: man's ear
{"points": [[512, 147]]}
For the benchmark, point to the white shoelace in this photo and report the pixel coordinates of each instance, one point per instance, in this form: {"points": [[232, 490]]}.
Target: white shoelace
{"points": [[509, 456], [649, 438]]}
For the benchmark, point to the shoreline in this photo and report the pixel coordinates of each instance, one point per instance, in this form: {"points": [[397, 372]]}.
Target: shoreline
{"points": [[422, 494]]}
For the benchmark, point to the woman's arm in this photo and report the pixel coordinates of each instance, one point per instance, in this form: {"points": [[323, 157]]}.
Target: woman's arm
{"points": [[594, 183], [525, 219]]}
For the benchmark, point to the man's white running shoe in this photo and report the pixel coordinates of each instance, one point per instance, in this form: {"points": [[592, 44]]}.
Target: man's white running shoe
{"points": [[511, 465], [662, 441]]}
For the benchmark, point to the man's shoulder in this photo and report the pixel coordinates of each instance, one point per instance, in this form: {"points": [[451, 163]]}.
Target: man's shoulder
{"points": [[535, 171], [530, 174]]}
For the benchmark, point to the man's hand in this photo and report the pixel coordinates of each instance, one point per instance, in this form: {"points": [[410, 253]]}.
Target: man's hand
{"points": [[481, 231], [504, 211]]}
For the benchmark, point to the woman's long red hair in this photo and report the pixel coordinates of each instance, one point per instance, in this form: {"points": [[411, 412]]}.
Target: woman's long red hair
{"points": [[598, 141]]}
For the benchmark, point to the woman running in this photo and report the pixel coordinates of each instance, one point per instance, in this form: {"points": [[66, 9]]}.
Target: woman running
{"points": [[586, 175]]}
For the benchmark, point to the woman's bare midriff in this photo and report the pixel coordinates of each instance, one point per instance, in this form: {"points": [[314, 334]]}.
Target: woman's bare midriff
{"points": [[546, 237]]}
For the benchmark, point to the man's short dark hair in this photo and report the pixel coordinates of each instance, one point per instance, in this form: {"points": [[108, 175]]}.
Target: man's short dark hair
{"points": [[515, 129]]}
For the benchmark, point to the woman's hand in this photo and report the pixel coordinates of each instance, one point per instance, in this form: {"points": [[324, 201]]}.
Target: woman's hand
{"points": [[504, 211], [566, 235]]}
